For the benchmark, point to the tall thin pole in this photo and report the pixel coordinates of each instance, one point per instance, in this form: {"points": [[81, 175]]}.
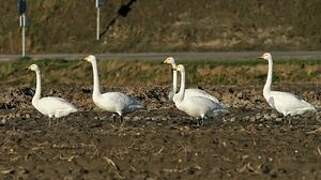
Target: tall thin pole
{"points": [[23, 35], [98, 23]]}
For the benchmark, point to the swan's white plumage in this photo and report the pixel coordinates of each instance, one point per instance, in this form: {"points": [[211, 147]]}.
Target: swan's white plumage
{"points": [[198, 106], [202, 93], [195, 106], [115, 102], [49, 106], [189, 91], [284, 102], [288, 104], [54, 107]]}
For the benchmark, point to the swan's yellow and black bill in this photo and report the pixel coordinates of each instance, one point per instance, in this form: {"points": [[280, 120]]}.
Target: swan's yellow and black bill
{"points": [[165, 61], [85, 59], [261, 57]]}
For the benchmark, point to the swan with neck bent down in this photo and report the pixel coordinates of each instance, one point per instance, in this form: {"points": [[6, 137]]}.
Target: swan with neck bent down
{"points": [[196, 106], [188, 92], [115, 102], [49, 106], [284, 102]]}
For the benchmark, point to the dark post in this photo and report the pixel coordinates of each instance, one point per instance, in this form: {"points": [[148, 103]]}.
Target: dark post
{"points": [[22, 8]]}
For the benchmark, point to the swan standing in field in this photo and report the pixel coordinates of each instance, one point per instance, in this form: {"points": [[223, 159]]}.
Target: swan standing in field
{"points": [[284, 102], [115, 102], [196, 106], [188, 92], [49, 106]]}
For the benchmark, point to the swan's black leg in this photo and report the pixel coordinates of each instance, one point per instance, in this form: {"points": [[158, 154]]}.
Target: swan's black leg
{"points": [[200, 122], [49, 122], [114, 117], [197, 123], [57, 121], [301, 116], [121, 119], [289, 120]]}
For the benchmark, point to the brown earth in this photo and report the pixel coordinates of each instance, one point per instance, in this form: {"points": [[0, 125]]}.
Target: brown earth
{"points": [[160, 142], [252, 142], [68, 26]]}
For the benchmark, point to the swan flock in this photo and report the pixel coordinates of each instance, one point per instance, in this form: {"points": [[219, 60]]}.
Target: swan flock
{"points": [[196, 103]]}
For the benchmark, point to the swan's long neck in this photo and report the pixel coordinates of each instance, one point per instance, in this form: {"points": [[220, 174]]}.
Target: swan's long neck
{"points": [[96, 78], [267, 86], [38, 87], [174, 79], [181, 92]]}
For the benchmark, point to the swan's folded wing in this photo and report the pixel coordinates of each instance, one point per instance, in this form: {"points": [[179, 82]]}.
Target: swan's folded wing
{"points": [[57, 103], [199, 104], [199, 92], [121, 99], [288, 100]]}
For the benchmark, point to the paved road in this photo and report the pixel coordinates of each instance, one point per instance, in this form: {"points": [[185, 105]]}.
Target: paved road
{"points": [[178, 55]]}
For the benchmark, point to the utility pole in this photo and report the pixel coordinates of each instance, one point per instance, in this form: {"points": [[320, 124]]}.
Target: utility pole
{"points": [[23, 33], [22, 8], [98, 23], [99, 3]]}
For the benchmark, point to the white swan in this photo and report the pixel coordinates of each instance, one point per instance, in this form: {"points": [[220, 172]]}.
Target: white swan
{"points": [[115, 102], [49, 106], [284, 102], [196, 106], [188, 92]]}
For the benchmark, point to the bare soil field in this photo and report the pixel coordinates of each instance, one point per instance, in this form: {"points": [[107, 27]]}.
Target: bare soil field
{"points": [[159, 142]]}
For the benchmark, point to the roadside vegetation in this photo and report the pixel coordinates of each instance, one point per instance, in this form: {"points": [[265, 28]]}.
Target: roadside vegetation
{"points": [[61, 26], [154, 73]]}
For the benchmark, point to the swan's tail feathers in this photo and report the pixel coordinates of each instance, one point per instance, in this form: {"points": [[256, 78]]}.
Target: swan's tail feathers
{"points": [[73, 109], [313, 109], [223, 106], [65, 112], [309, 107], [219, 112], [222, 109], [225, 111], [305, 108], [139, 106]]}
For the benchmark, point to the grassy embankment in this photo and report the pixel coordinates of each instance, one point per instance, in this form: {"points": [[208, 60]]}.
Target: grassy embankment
{"points": [[60, 26], [153, 73]]}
